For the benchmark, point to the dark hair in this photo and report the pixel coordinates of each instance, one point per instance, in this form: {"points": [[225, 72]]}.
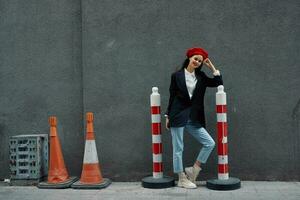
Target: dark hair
{"points": [[186, 63]]}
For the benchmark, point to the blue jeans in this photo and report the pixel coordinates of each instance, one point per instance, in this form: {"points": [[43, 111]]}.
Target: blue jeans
{"points": [[201, 135]]}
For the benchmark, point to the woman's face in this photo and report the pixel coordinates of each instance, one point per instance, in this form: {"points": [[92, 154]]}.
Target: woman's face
{"points": [[195, 61]]}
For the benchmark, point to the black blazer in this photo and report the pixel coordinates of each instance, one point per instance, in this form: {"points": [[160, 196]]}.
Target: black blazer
{"points": [[181, 107]]}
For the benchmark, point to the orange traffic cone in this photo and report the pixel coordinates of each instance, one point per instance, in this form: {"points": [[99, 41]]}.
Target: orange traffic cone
{"points": [[91, 177], [57, 174]]}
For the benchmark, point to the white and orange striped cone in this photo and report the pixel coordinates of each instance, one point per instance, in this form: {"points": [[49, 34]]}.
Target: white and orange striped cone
{"points": [[157, 180], [91, 177], [224, 182]]}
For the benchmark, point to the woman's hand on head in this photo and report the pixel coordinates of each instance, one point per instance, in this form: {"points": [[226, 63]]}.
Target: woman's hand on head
{"points": [[209, 64]]}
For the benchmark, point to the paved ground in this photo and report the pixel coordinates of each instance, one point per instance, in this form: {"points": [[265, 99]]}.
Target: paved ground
{"points": [[258, 190]]}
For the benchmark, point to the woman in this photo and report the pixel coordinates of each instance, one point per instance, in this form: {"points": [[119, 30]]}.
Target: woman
{"points": [[186, 112]]}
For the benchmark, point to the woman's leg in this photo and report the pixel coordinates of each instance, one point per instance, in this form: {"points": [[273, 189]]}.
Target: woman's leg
{"points": [[177, 142], [204, 138]]}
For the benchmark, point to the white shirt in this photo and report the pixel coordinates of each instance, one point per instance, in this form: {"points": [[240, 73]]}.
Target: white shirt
{"points": [[190, 81]]}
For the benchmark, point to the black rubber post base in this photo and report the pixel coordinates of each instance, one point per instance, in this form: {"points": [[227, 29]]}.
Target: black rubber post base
{"points": [[62, 185], [229, 184], [78, 185], [157, 183]]}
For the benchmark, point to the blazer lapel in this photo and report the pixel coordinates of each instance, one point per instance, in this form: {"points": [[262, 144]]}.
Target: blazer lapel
{"points": [[182, 84]]}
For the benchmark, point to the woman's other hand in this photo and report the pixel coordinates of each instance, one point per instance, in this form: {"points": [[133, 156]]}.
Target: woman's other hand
{"points": [[167, 123]]}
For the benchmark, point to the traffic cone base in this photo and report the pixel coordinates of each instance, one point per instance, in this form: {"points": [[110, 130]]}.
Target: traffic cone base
{"points": [[105, 182], [60, 185]]}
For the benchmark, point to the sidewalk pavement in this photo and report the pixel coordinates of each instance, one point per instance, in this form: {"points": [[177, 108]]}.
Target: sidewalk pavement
{"points": [[256, 190]]}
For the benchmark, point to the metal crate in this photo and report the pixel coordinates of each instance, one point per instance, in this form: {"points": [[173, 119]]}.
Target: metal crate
{"points": [[28, 156]]}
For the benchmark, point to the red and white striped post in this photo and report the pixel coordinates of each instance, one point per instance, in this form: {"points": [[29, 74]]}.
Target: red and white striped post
{"points": [[224, 182], [156, 134], [221, 109], [157, 180]]}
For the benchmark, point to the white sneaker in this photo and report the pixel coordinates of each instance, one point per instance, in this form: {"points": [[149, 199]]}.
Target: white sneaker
{"points": [[192, 173], [184, 182]]}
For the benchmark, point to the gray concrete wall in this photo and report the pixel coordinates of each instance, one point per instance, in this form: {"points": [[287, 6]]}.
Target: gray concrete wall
{"points": [[41, 74], [130, 46]]}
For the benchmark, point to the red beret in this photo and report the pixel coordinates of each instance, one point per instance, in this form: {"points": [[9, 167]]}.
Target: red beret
{"points": [[196, 51]]}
